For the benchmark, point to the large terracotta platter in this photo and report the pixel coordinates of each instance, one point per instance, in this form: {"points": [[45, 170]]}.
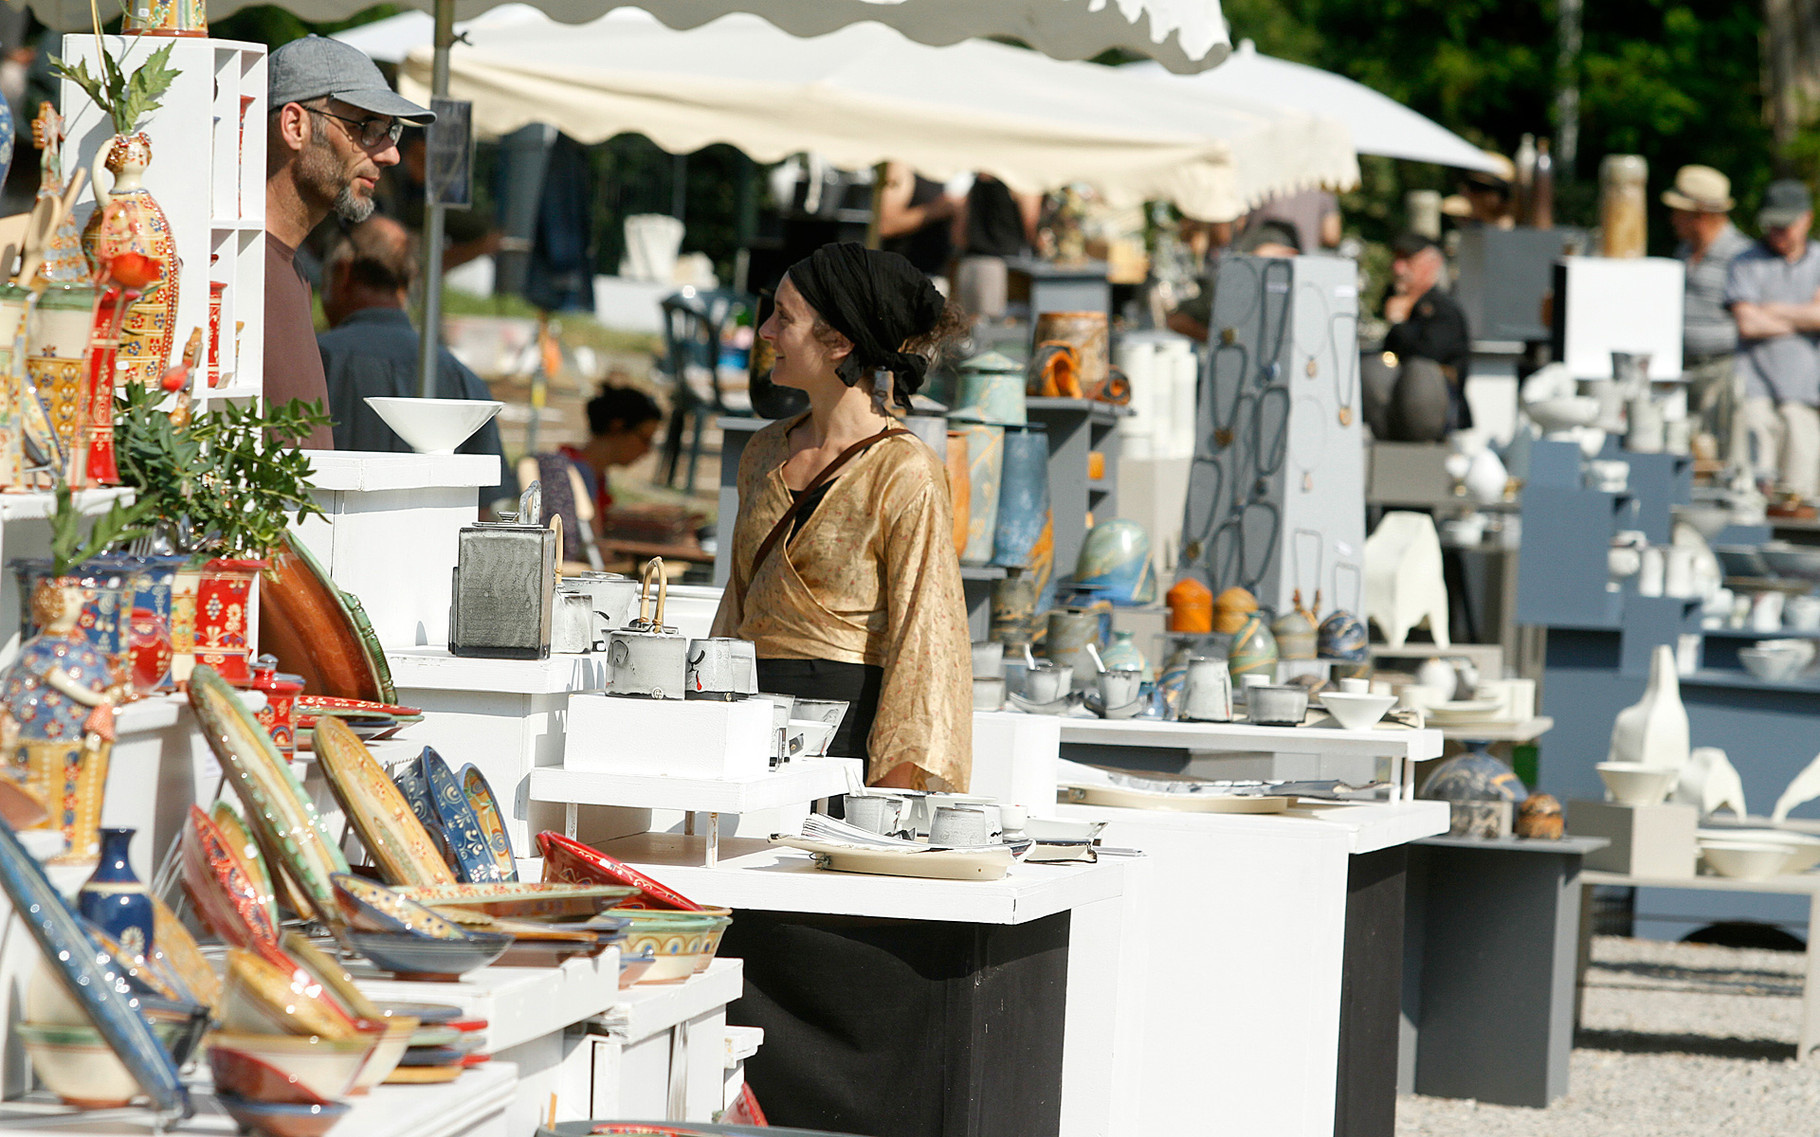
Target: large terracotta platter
{"points": [[403, 849], [277, 809]]}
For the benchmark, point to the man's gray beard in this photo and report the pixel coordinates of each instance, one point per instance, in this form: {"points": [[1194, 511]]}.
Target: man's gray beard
{"points": [[351, 208]]}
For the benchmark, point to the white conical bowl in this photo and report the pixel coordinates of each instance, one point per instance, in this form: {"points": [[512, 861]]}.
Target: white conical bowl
{"points": [[1632, 783], [434, 426], [1356, 711]]}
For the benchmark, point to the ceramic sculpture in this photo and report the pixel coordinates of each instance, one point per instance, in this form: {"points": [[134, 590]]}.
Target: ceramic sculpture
{"points": [[1254, 650], [63, 259], [1115, 559], [167, 18], [1295, 630], [1653, 731], [114, 899], [1539, 818], [1480, 790], [1088, 334], [1231, 609], [1803, 788], [1486, 477], [1404, 586], [1710, 782], [1341, 639], [138, 225], [57, 719]]}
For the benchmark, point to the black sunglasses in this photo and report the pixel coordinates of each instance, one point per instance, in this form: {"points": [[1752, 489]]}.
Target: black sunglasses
{"points": [[371, 130]]}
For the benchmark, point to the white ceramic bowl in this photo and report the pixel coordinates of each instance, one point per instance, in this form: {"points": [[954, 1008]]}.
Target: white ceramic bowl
{"points": [[1632, 783], [1801, 649], [434, 426], [77, 1065], [1563, 413], [816, 736], [1770, 666], [1746, 860], [1356, 712], [1804, 848]]}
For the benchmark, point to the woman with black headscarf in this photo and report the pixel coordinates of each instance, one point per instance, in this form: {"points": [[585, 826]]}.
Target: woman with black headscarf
{"points": [[844, 573]]}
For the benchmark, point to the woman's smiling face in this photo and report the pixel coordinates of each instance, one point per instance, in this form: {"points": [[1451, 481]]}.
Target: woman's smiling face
{"points": [[802, 360]]}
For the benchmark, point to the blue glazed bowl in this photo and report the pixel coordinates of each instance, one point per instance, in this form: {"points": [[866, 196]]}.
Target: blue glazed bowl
{"points": [[417, 956], [468, 844], [281, 1119]]}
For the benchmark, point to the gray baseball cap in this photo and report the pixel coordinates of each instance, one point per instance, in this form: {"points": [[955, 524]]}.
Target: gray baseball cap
{"points": [[315, 66], [1784, 203]]}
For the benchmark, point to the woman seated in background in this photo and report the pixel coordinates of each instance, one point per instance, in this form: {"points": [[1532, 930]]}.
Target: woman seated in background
{"points": [[621, 424]]}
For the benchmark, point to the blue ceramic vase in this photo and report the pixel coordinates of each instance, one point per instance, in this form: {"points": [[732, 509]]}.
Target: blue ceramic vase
{"points": [[1023, 505], [114, 899], [1115, 561]]}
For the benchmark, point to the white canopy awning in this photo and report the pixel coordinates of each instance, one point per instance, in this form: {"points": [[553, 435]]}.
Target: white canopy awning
{"points": [[1379, 124], [866, 94], [1184, 35]]}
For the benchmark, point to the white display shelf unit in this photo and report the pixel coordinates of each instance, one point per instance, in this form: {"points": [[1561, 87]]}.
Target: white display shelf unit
{"points": [[209, 178], [793, 783], [520, 1004]]}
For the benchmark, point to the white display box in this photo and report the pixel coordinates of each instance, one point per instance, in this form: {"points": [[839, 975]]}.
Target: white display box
{"points": [[1014, 757], [1620, 305], [681, 738]]}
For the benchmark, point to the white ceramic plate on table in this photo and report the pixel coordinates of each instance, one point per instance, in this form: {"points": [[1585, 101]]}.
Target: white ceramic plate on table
{"points": [[1122, 798]]}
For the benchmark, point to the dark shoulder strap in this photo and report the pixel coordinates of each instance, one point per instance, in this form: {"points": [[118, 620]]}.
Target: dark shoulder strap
{"points": [[821, 479]]}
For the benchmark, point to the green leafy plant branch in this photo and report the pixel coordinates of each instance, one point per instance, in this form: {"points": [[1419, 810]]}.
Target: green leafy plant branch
{"points": [[127, 99], [70, 547]]}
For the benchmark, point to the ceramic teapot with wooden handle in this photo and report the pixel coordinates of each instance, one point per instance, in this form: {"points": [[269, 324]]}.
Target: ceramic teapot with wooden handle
{"points": [[645, 658]]}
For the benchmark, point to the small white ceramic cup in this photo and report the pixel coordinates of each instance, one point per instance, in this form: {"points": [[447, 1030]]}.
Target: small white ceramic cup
{"points": [[876, 813], [958, 825], [1355, 686]]}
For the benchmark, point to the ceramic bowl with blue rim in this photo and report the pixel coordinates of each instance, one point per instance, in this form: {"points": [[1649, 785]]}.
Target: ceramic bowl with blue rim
{"points": [[468, 844], [492, 819], [375, 908]]}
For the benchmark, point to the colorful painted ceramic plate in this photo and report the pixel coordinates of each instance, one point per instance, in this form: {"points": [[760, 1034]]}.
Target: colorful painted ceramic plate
{"points": [[431, 1056], [326, 970], [276, 806], [225, 896], [307, 623], [567, 860], [400, 847], [329, 704], [467, 840], [408, 777], [246, 851], [375, 908], [526, 899], [264, 998], [101, 995], [422, 1075], [428, 1012], [492, 820]]}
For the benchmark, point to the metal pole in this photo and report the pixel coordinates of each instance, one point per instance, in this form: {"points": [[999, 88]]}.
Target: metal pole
{"points": [[433, 218]]}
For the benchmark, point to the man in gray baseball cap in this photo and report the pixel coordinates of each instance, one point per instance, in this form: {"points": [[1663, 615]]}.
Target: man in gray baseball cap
{"points": [[333, 124], [1773, 291]]}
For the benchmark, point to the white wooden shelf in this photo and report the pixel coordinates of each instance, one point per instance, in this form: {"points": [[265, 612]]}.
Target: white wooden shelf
{"points": [[1527, 731], [758, 875], [461, 1106], [367, 470], [432, 668], [1390, 742], [1367, 826], [642, 1011], [519, 1003], [38, 505], [793, 783]]}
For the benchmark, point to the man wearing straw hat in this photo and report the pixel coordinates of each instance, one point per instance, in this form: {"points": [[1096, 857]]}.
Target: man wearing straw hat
{"points": [[1700, 205]]}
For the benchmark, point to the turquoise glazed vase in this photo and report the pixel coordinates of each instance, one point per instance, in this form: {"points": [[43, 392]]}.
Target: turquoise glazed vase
{"points": [[115, 900], [1115, 562], [1122, 654], [1023, 525], [992, 386], [1254, 650]]}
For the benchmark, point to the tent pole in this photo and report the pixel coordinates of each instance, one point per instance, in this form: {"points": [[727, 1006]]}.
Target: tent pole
{"points": [[433, 218]]}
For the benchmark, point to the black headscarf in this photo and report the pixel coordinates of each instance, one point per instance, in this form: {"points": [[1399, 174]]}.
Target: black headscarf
{"points": [[877, 300]]}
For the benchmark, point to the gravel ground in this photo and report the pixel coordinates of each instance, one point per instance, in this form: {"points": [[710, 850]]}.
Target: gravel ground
{"points": [[1676, 1040]]}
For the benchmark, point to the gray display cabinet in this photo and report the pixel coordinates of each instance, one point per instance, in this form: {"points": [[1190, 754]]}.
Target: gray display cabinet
{"points": [[1276, 491]]}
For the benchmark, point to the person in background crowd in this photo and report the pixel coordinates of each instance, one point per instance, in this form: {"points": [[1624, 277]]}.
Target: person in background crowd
{"points": [[1313, 214], [1425, 321], [372, 349], [1486, 197], [915, 220], [1773, 291], [622, 422], [1699, 205], [334, 125], [994, 223]]}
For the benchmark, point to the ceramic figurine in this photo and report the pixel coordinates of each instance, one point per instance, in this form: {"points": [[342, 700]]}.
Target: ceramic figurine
{"points": [[1190, 607], [1254, 650], [1233, 607], [1123, 654], [57, 721], [63, 259], [992, 385], [114, 899], [1404, 586], [1295, 630], [1653, 731], [1710, 783], [985, 467], [1539, 818], [1486, 477], [1115, 558], [14, 301], [149, 331], [1013, 609]]}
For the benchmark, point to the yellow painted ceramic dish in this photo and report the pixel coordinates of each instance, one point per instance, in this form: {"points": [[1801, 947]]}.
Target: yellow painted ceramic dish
{"points": [[391, 832]]}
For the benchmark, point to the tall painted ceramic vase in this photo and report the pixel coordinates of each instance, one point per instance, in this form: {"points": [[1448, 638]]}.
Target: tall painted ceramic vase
{"points": [[1254, 650], [1025, 534], [56, 365], [985, 469], [992, 386], [137, 225], [214, 619], [960, 489], [114, 899], [13, 303]]}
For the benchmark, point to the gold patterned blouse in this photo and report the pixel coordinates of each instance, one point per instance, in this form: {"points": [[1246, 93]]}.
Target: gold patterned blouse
{"points": [[871, 577]]}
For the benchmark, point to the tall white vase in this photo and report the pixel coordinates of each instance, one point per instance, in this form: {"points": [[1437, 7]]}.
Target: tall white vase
{"points": [[1653, 731]]}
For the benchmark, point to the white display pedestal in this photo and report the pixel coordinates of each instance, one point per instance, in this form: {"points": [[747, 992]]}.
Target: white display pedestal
{"points": [[391, 531], [661, 1050]]}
